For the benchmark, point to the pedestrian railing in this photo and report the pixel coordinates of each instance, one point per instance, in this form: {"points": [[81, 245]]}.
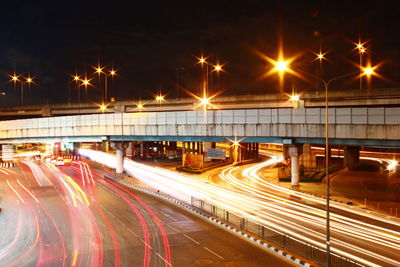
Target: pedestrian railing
{"points": [[290, 243]]}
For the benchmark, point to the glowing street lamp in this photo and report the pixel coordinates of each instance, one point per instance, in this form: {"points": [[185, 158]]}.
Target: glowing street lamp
{"points": [[217, 68], [102, 71], [19, 78], [320, 56], [360, 47], [281, 66], [86, 83], [140, 106], [202, 60], [14, 78], [205, 101], [294, 98], [160, 98], [103, 107], [368, 71]]}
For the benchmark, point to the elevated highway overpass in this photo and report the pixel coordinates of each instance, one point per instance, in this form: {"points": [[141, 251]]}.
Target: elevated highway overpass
{"points": [[348, 126], [355, 119]]}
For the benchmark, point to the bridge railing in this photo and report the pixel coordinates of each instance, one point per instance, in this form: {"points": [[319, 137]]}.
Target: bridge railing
{"points": [[288, 242]]}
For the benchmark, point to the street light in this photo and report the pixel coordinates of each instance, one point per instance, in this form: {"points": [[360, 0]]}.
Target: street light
{"points": [[159, 98], [103, 107], [360, 47], [294, 98], [140, 106], [279, 66], [103, 71], [19, 78], [320, 56]]}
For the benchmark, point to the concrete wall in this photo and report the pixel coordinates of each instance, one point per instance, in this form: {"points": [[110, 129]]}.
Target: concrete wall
{"points": [[362, 123]]}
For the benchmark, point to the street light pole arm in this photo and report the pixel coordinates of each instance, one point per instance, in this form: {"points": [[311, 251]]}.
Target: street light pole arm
{"points": [[326, 82]]}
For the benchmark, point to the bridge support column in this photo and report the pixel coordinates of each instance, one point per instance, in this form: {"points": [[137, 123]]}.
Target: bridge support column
{"points": [[351, 156], [105, 145], [294, 152], [119, 153], [208, 145], [141, 149], [236, 150]]}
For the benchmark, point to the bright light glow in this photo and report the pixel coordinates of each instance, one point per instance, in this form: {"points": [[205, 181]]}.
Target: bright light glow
{"points": [[368, 71], [281, 66], [205, 101], [86, 82], [14, 78], [217, 68], [140, 106], [29, 80], [360, 47], [294, 98], [113, 72], [76, 78], [160, 98], [236, 143], [202, 60], [103, 107], [320, 56], [99, 69], [392, 165]]}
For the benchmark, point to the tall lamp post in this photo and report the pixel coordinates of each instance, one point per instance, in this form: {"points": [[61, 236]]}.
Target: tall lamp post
{"points": [[102, 71], [282, 66], [361, 51], [19, 78]]}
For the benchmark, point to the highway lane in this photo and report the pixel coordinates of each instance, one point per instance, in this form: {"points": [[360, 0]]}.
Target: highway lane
{"points": [[379, 190], [83, 220], [369, 239]]}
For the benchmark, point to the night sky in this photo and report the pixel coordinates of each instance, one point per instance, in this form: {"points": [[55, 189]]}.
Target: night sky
{"points": [[149, 41]]}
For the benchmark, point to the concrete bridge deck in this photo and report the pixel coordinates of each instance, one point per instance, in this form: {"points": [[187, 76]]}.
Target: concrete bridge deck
{"points": [[348, 125]]}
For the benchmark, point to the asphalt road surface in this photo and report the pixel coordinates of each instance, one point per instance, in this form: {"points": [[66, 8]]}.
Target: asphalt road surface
{"points": [[71, 216]]}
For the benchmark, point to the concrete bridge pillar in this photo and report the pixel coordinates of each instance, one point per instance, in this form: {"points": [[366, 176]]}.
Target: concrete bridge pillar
{"points": [[294, 152], [105, 145], [208, 145], [351, 156], [119, 153], [141, 149]]}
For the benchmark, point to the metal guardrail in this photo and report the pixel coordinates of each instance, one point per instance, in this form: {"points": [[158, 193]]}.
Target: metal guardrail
{"points": [[292, 244]]}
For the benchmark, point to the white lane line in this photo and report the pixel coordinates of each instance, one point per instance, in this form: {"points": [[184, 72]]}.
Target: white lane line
{"points": [[132, 232], [174, 228], [145, 243], [191, 239], [169, 216], [168, 263], [216, 254]]}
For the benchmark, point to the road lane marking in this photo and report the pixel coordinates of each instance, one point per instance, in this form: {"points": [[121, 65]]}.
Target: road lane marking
{"points": [[132, 232], [145, 243], [75, 258], [168, 263], [191, 239], [216, 254], [15, 192], [174, 228]]}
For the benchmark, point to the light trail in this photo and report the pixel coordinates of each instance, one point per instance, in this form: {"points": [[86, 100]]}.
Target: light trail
{"points": [[273, 206]]}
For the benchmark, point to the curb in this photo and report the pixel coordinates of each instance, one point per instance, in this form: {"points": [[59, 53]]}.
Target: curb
{"points": [[216, 221]]}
